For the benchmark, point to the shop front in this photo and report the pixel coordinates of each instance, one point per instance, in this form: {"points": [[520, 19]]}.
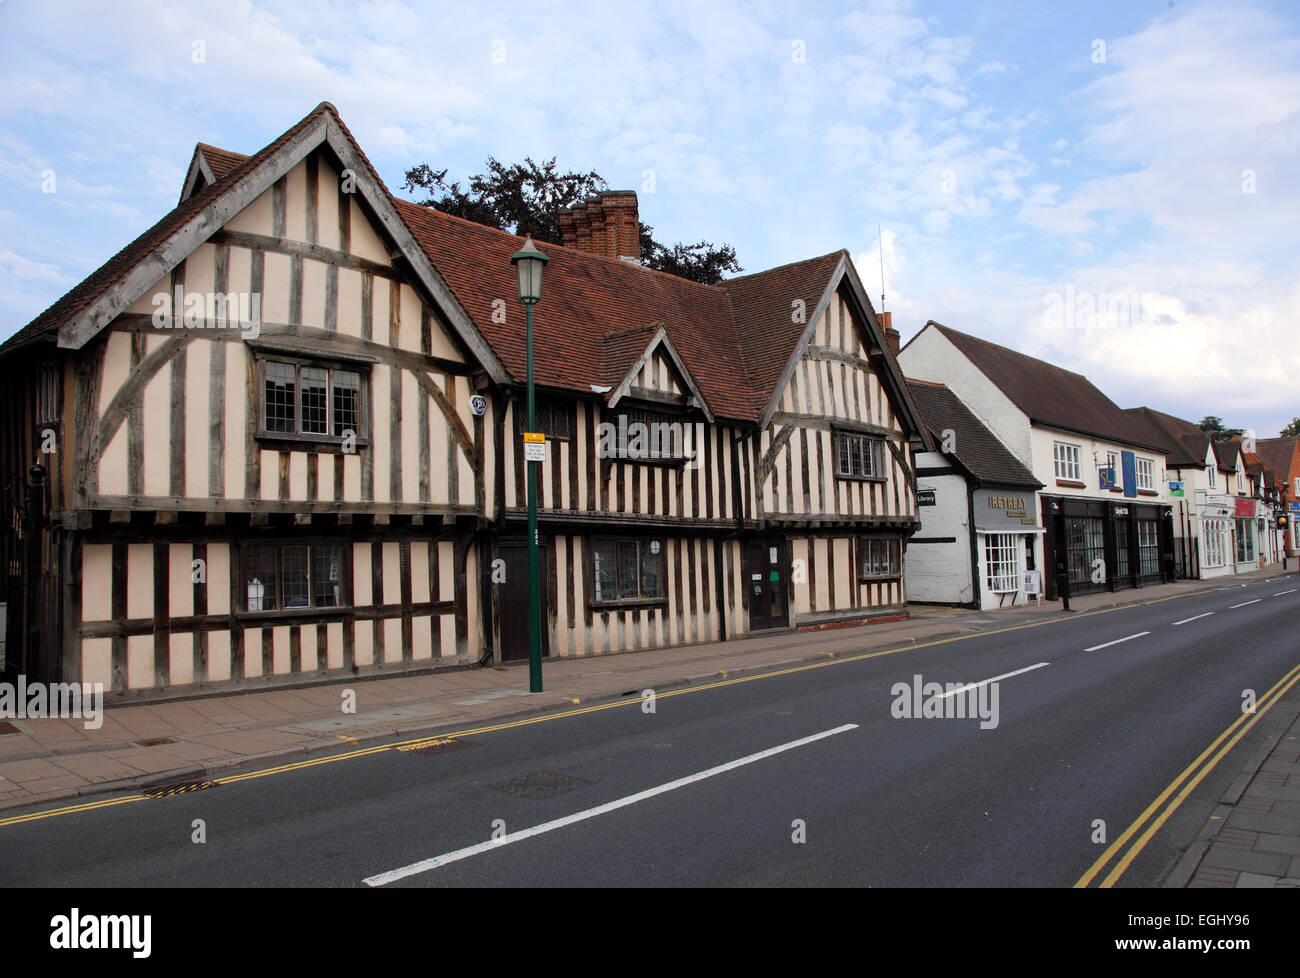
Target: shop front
{"points": [[1006, 530], [1103, 545]]}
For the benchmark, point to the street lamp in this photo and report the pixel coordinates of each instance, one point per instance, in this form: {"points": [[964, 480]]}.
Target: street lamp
{"points": [[528, 262]]}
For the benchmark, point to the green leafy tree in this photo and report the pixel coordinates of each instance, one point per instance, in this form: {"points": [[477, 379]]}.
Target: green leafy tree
{"points": [[1213, 426], [528, 198], [1292, 430]]}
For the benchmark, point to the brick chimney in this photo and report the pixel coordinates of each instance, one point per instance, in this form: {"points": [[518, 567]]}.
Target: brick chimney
{"points": [[607, 225], [891, 334]]}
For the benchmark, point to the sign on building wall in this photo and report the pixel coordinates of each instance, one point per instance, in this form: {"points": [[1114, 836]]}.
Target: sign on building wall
{"points": [[1176, 490], [1003, 510], [925, 497], [1129, 465]]}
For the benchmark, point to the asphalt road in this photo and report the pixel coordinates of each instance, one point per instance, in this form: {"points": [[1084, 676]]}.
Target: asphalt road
{"points": [[677, 797]]}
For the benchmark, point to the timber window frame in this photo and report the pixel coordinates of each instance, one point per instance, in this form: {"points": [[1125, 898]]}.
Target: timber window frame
{"points": [[1145, 469], [628, 571], [879, 558], [1065, 459], [1002, 563], [554, 417], [311, 400], [665, 435], [284, 577], [859, 456]]}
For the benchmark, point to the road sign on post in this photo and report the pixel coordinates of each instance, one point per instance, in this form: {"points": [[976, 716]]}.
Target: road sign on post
{"points": [[534, 446]]}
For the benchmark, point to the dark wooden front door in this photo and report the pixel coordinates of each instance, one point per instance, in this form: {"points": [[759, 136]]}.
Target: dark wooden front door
{"points": [[766, 578], [512, 600]]}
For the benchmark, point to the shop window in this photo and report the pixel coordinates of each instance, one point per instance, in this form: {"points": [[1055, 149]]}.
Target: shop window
{"points": [[1148, 534], [1001, 553], [1245, 542], [1086, 548]]}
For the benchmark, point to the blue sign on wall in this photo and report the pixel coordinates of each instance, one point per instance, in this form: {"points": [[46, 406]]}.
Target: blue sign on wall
{"points": [[1294, 507], [1130, 473], [1106, 478]]}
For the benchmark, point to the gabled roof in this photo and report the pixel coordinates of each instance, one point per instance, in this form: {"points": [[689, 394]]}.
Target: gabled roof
{"points": [[93, 304], [1051, 395], [1279, 454], [975, 448], [95, 285], [619, 345], [735, 341], [1186, 442]]}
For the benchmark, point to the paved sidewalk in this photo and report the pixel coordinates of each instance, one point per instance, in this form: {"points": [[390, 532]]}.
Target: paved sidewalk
{"points": [[1252, 838], [138, 745]]}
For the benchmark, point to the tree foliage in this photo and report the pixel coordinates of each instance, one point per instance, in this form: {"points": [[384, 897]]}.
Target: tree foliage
{"points": [[1213, 426], [528, 198], [1292, 430]]}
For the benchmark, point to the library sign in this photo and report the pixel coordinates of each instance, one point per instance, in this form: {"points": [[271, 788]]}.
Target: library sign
{"points": [[1001, 510]]}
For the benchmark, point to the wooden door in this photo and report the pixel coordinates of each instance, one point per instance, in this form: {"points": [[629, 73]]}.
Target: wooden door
{"points": [[766, 578], [512, 601]]}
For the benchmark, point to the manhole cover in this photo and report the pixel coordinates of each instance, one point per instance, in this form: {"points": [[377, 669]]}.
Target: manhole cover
{"points": [[167, 790], [435, 745], [541, 785]]}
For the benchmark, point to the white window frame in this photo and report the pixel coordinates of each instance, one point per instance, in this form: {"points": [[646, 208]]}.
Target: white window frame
{"points": [[1145, 469], [1214, 543], [1002, 551], [1065, 457], [1209, 474]]}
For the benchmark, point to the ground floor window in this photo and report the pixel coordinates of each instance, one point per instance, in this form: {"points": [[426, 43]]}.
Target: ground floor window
{"points": [[1214, 548], [280, 576], [1121, 549], [1086, 546], [1148, 547], [628, 570], [1245, 542], [1001, 558], [878, 557]]}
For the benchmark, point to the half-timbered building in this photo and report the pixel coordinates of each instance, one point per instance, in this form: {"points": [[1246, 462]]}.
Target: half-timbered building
{"points": [[280, 440]]}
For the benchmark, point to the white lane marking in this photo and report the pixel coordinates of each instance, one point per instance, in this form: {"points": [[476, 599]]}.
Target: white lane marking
{"points": [[1280, 593], [985, 682], [1244, 603], [1106, 645], [1193, 618], [425, 865]]}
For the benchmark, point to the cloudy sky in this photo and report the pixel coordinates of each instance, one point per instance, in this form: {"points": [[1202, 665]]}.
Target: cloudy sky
{"points": [[1112, 186]]}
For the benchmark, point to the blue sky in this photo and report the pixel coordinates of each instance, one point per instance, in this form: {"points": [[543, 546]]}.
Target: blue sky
{"points": [[1021, 158]]}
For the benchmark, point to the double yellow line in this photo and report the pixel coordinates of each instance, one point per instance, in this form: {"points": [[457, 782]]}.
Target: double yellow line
{"points": [[1167, 802]]}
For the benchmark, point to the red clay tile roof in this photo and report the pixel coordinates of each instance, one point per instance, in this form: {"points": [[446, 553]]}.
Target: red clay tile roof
{"points": [[1052, 395], [976, 448], [1187, 443], [734, 338], [220, 160], [1279, 454]]}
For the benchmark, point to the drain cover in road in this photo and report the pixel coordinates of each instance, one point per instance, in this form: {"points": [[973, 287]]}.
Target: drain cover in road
{"points": [[541, 785]]}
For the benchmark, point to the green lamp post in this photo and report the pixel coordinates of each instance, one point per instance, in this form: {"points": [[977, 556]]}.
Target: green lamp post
{"points": [[528, 262]]}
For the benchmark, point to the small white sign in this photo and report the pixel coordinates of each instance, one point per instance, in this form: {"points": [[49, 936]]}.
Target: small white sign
{"points": [[533, 452], [1031, 583], [478, 404], [654, 546]]}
